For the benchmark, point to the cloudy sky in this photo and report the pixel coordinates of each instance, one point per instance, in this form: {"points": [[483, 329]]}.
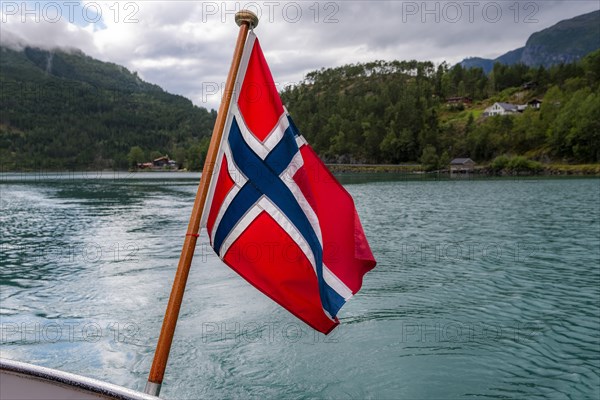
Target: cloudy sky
{"points": [[186, 46]]}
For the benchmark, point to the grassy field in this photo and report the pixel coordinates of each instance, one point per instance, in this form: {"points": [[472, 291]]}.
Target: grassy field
{"points": [[575, 169]]}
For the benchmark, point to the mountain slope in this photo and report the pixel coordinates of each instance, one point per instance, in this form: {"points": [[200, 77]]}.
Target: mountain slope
{"points": [[63, 109], [565, 42]]}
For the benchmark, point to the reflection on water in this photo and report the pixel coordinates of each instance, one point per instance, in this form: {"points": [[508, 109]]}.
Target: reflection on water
{"points": [[484, 288]]}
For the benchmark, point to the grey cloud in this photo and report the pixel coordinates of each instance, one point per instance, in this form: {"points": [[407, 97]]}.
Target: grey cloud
{"points": [[365, 30], [17, 34]]}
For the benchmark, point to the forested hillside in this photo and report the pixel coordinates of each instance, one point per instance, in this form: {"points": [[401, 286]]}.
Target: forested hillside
{"points": [[395, 112], [67, 110], [64, 110]]}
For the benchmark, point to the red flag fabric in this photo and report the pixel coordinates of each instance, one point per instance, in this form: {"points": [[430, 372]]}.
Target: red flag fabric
{"points": [[274, 212]]}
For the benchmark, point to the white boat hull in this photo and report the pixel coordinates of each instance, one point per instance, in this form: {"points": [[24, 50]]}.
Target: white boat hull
{"points": [[22, 381]]}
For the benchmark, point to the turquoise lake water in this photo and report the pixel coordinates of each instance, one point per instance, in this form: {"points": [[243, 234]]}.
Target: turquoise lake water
{"points": [[483, 289]]}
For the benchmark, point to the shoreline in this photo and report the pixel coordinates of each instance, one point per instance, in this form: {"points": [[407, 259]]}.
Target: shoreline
{"points": [[483, 171], [406, 169]]}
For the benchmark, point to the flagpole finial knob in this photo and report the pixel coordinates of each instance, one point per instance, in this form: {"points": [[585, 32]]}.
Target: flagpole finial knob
{"points": [[248, 17]]}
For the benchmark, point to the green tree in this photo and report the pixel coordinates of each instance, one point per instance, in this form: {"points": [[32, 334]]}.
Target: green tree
{"points": [[444, 160], [575, 133], [196, 154], [429, 158], [135, 156]]}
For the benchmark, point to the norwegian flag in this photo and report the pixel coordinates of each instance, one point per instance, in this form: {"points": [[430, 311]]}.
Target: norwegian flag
{"points": [[274, 212]]}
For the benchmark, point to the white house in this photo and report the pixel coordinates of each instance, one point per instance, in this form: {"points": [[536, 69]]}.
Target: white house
{"points": [[501, 109]]}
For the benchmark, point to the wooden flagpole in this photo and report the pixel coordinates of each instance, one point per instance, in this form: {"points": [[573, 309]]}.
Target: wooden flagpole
{"points": [[246, 20]]}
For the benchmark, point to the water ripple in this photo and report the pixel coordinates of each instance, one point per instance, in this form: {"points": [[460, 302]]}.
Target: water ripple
{"points": [[483, 289]]}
